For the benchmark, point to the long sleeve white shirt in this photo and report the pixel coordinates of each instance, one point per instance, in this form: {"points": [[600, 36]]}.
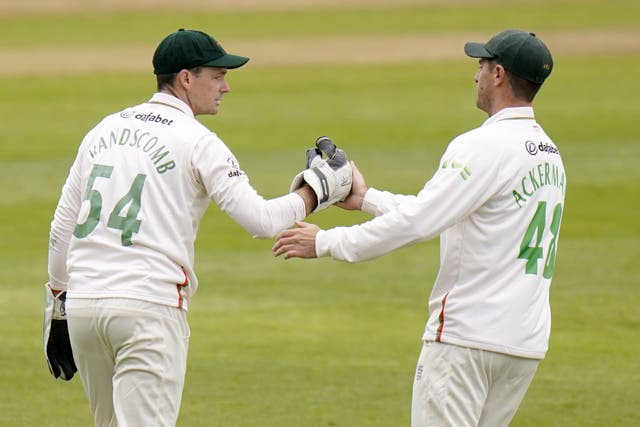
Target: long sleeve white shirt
{"points": [[129, 212], [496, 201]]}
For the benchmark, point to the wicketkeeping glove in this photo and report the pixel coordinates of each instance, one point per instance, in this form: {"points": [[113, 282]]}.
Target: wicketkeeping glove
{"points": [[57, 347], [330, 179]]}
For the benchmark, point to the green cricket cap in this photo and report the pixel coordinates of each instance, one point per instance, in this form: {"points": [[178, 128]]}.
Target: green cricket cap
{"points": [[520, 52], [186, 49]]}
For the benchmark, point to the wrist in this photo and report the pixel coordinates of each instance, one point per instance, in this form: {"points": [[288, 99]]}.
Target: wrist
{"points": [[322, 245], [370, 201], [308, 197]]}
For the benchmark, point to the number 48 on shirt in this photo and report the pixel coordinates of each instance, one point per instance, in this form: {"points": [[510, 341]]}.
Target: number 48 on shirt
{"points": [[533, 236], [129, 223]]}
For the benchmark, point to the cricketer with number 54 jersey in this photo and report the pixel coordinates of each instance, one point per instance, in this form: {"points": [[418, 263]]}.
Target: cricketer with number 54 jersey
{"points": [[131, 206]]}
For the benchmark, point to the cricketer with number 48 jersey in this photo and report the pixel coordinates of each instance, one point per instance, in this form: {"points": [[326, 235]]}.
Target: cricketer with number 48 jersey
{"points": [[127, 219], [496, 201]]}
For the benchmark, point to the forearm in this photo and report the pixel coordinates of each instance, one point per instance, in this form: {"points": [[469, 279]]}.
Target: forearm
{"points": [[371, 239], [265, 218], [61, 231], [59, 238]]}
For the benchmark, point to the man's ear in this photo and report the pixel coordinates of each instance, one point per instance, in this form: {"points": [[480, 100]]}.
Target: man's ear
{"points": [[499, 75], [183, 78]]}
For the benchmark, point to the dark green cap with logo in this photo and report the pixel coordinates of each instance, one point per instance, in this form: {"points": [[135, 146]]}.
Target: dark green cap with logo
{"points": [[521, 53], [186, 49]]}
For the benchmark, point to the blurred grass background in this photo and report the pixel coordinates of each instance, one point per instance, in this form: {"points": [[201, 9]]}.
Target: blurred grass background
{"points": [[322, 343]]}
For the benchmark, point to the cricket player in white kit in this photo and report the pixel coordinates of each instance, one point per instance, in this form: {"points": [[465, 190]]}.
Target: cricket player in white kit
{"points": [[122, 239], [496, 201]]}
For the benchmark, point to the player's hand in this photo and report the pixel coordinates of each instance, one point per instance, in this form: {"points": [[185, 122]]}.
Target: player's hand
{"points": [[330, 179], [297, 242], [57, 347], [358, 190]]}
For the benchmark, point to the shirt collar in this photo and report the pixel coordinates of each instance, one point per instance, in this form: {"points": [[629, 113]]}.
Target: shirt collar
{"points": [[512, 113], [171, 101]]}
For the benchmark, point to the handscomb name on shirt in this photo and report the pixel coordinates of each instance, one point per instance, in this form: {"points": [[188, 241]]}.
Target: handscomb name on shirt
{"points": [[139, 139], [539, 176]]}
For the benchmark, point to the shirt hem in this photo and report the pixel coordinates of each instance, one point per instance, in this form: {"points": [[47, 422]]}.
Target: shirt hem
{"points": [[496, 348]]}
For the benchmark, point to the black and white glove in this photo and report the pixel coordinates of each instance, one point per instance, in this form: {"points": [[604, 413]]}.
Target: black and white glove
{"points": [[57, 347], [330, 179]]}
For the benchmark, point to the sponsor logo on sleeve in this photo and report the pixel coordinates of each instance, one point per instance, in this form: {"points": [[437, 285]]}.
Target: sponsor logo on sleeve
{"points": [[465, 172], [235, 168]]}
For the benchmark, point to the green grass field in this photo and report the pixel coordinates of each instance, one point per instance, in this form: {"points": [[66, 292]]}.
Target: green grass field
{"points": [[322, 343]]}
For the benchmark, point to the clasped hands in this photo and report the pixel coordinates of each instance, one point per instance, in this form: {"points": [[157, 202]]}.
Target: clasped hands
{"points": [[334, 181]]}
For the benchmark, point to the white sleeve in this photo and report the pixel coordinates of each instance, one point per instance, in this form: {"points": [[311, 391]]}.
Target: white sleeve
{"points": [[378, 202], [62, 225], [465, 179], [228, 186]]}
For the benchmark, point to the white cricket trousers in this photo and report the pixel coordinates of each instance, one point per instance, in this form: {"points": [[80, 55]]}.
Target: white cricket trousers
{"points": [[131, 356], [464, 387]]}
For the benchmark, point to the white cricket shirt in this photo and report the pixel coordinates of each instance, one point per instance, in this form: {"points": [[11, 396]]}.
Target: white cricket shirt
{"points": [[129, 211], [496, 201]]}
